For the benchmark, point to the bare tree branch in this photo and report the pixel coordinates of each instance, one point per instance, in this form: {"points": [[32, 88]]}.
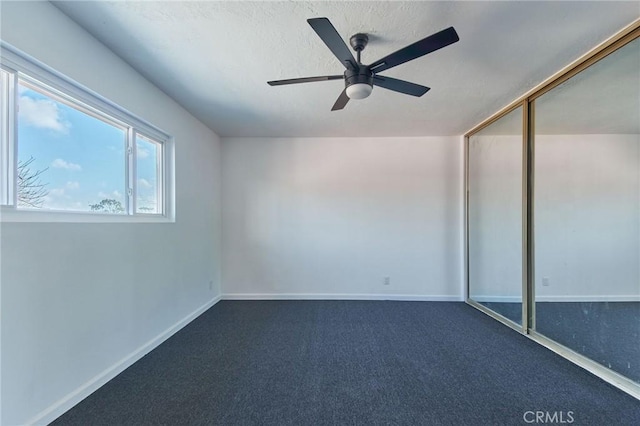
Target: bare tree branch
{"points": [[31, 190]]}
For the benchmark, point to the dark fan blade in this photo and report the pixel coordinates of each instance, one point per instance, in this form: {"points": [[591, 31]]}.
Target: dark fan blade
{"points": [[342, 101], [328, 34], [420, 48], [305, 80], [400, 85]]}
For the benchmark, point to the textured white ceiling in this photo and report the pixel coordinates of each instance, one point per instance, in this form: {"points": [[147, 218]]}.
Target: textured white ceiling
{"points": [[215, 58]]}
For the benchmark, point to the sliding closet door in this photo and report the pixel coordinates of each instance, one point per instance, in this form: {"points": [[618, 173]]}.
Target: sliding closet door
{"points": [[495, 216], [587, 212]]}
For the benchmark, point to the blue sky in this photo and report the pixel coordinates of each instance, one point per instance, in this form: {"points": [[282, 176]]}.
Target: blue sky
{"points": [[84, 156]]}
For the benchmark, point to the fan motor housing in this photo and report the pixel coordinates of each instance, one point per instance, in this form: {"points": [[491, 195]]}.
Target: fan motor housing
{"points": [[361, 75]]}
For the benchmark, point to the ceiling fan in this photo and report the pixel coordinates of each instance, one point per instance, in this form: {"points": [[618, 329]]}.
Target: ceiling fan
{"points": [[359, 79]]}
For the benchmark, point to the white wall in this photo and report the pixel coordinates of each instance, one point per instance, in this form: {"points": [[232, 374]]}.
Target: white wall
{"points": [[80, 299], [587, 217], [331, 217]]}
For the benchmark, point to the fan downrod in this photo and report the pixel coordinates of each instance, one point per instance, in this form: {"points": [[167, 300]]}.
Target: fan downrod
{"points": [[359, 42]]}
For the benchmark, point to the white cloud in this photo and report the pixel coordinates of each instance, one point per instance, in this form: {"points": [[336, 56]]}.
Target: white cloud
{"points": [[116, 149], [42, 113], [148, 204], [115, 194], [57, 198], [65, 203], [73, 185], [59, 163], [141, 152], [144, 183]]}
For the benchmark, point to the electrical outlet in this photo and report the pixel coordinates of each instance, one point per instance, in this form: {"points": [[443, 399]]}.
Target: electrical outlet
{"points": [[387, 280], [545, 281]]}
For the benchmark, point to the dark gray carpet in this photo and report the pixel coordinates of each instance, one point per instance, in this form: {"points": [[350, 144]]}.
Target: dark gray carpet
{"points": [[350, 363], [606, 332], [512, 311]]}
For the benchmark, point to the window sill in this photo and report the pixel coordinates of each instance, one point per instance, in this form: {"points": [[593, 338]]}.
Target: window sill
{"points": [[11, 215]]}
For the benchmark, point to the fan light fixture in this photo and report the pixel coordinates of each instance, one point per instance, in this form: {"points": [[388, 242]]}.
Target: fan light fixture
{"points": [[359, 91]]}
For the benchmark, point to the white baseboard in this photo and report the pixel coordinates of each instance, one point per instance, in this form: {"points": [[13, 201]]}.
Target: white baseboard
{"points": [[339, 296], [496, 299], [516, 299], [67, 402], [620, 298]]}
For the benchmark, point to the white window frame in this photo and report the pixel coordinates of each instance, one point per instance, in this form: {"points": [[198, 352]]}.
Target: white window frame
{"points": [[160, 173], [22, 67], [7, 158]]}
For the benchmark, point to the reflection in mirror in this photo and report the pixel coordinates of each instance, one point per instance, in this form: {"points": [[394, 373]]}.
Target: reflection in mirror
{"points": [[495, 216], [587, 212]]}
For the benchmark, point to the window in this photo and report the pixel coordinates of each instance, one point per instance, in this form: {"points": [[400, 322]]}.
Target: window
{"points": [[67, 159], [65, 149]]}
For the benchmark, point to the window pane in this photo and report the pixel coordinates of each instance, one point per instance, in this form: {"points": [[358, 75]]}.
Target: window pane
{"points": [[67, 159], [148, 167]]}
